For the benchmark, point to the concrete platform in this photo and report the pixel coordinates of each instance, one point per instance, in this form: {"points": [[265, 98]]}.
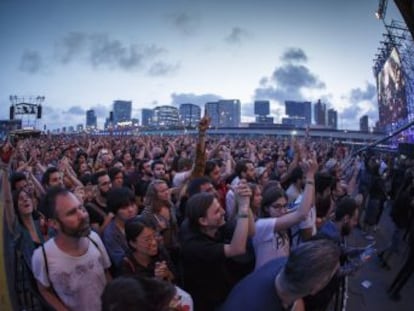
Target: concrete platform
{"points": [[375, 297]]}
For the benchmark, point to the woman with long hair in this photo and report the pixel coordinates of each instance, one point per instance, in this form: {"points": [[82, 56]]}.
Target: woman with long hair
{"points": [[159, 211], [26, 235], [271, 239]]}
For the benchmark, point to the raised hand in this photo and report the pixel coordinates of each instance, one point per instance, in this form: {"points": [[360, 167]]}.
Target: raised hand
{"points": [[243, 194], [204, 123], [310, 164], [161, 270], [6, 152]]}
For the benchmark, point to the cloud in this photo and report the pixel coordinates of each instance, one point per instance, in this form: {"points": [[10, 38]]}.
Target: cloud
{"points": [[76, 110], [273, 93], [101, 111], [54, 117], [101, 51], [71, 46], [162, 69], [200, 100], [361, 101], [104, 51], [236, 36], [358, 94], [294, 54], [289, 80], [296, 77], [186, 24], [31, 62], [263, 81]]}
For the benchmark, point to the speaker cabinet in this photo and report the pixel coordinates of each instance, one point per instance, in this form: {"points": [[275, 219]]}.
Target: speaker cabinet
{"points": [[39, 112], [11, 112]]}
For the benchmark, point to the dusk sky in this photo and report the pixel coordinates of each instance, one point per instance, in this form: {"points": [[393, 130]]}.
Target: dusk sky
{"points": [[86, 54]]}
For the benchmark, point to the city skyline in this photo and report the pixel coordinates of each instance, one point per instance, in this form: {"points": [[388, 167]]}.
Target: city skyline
{"points": [[84, 56]]}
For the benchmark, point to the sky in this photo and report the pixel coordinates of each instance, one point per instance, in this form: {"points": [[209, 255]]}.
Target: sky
{"points": [[84, 54]]}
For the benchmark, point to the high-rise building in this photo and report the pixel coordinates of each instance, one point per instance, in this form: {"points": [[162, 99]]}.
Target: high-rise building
{"points": [[91, 120], [121, 111], [262, 110], [261, 107], [190, 115], [224, 113], [165, 116], [333, 118], [298, 111], [320, 113], [363, 124], [146, 117]]}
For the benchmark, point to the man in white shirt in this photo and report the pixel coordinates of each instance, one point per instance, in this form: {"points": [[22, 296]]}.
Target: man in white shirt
{"points": [[71, 269]]}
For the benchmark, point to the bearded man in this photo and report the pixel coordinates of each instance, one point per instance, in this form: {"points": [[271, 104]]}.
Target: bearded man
{"points": [[71, 269]]}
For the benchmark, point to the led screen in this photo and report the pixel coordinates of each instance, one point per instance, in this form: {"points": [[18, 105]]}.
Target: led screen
{"points": [[392, 104]]}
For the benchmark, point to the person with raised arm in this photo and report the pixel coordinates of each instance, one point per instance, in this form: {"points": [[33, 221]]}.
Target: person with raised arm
{"points": [[271, 239], [205, 250]]}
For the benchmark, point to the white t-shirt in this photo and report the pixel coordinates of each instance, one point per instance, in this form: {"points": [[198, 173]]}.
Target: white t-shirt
{"points": [[231, 200], [78, 281], [308, 223], [267, 243], [180, 178], [292, 193]]}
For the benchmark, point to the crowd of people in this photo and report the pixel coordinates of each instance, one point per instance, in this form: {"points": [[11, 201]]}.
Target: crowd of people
{"points": [[198, 222]]}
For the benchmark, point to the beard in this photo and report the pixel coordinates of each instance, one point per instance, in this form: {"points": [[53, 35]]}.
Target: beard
{"points": [[103, 194], [250, 179], [83, 230]]}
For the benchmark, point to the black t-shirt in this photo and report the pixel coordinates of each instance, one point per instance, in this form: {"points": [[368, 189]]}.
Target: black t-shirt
{"points": [[141, 187], [205, 272], [130, 266], [97, 212]]}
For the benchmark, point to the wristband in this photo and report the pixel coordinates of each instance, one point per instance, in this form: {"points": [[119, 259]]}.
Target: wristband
{"points": [[243, 215], [310, 182]]}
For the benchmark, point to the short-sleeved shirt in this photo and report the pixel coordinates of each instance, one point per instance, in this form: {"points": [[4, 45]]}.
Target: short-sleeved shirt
{"points": [[180, 178], [78, 281], [267, 243], [97, 212], [308, 223], [205, 272], [116, 245]]}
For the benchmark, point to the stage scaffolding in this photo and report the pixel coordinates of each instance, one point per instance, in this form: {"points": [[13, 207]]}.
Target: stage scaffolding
{"points": [[398, 36]]}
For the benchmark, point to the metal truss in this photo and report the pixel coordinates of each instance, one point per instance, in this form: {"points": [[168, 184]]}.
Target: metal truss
{"points": [[398, 36]]}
